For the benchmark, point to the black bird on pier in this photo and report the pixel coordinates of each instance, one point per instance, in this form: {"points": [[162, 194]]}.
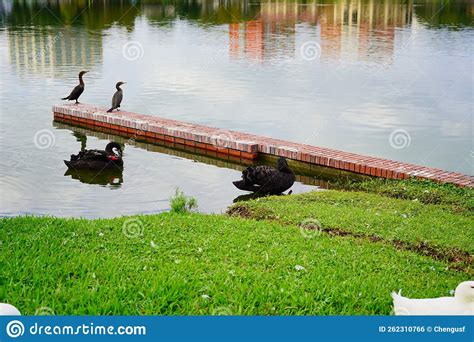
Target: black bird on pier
{"points": [[78, 90], [97, 159], [267, 180], [117, 98]]}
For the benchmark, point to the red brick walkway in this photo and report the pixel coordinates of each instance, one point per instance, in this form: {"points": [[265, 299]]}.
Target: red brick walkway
{"points": [[248, 145]]}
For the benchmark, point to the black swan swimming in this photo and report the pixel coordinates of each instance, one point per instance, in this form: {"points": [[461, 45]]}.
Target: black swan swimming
{"points": [[97, 159], [117, 98], [267, 180], [78, 90]]}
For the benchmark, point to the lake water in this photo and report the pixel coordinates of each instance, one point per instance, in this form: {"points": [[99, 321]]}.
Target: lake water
{"points": [[385, 78]]}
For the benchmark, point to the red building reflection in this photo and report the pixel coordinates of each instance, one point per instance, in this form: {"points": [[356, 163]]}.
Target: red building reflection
{"points": [[357, 29]]}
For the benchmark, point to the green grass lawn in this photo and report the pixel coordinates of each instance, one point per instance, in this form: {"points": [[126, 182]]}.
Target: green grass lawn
{"points": [[371, 214], [266, 263]]}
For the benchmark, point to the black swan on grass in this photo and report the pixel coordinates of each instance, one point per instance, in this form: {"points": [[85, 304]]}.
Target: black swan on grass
{"points": [[117, 98], [267, 180], [97, 159], [78, 90]]}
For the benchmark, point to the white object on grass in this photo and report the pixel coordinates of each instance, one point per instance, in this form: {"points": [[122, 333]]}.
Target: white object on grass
{"points": [[8, 310], [461, 304]]}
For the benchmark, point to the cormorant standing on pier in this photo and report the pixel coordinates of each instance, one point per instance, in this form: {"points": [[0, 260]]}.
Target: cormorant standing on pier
{"points": [[117, 98], [78, 90]]}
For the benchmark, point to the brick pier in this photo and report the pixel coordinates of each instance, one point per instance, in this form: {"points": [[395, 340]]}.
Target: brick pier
{"points": [[243, 145]]}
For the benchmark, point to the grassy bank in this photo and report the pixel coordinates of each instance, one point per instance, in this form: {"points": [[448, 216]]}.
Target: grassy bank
{"points": [[436, 220], [332, 252]]}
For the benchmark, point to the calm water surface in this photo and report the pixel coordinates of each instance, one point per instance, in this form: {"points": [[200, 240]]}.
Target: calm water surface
{"points": [[384, 78]]}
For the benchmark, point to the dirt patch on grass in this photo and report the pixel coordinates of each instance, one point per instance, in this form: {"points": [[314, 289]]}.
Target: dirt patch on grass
{"points": [[458, 259], [452, 255], [240, 211], [251, 213]]}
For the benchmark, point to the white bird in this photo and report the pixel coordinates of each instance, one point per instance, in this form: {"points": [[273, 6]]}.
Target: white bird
{"points": [[461, 304], [8, 310]]}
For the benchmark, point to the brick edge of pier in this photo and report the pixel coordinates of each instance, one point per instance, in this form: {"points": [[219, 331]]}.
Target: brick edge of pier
{"points": [[246, 146]]}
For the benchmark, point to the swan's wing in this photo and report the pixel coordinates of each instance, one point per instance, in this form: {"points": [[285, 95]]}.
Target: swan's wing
{"points": [[259, 175], [243, 185], [93, 155]]}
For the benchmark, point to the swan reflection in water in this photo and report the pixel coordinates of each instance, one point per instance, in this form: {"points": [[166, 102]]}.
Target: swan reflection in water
{"points": [[112, 178], [248, 197]]}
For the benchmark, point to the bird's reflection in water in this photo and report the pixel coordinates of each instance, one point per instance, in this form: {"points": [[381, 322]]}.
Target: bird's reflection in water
{"points": [[255, 195], [247, 197], [82, 138], [112, 178]]}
